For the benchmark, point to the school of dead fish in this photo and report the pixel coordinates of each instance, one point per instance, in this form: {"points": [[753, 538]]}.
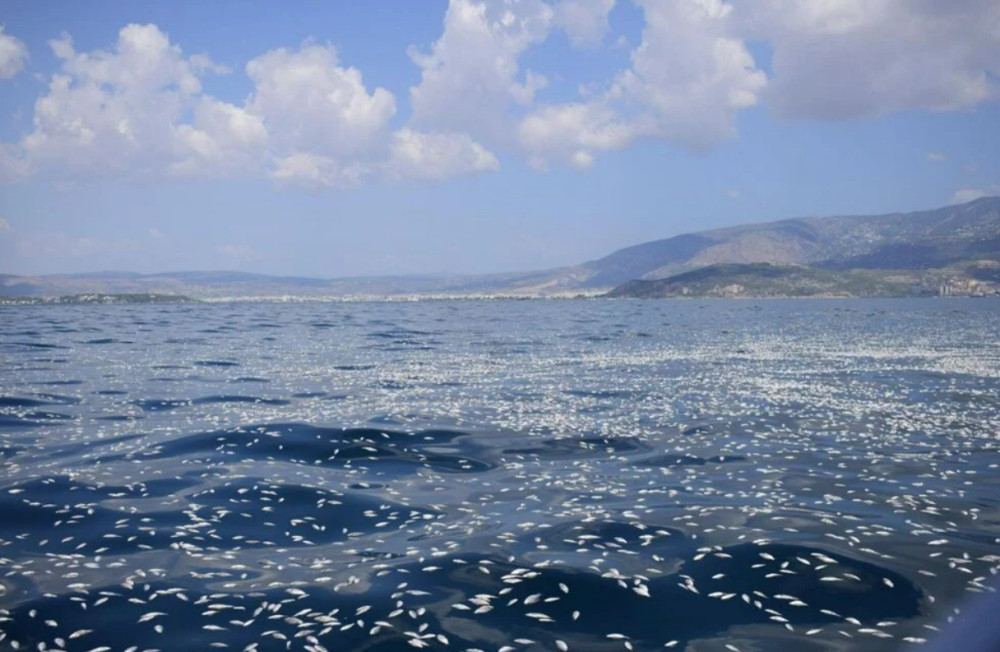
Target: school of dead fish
{"points": [[784, 444]]}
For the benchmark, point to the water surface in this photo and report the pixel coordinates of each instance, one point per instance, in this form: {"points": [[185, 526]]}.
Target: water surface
{"points": [[582, 475]]}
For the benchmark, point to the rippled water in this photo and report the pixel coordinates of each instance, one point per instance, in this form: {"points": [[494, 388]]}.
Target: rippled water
{"points": [[582, 475]]}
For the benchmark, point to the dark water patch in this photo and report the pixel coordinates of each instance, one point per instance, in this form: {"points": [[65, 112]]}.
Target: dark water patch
{"points": [[573, 446], [250, 379], [111, 392], [14, 422], [119, 417], [253, 511], [310, 395], [38, 400], [15, 401], [265, 325], [107, 340], [354, 367], [58, 515], [7, 450], [397, 334], [59, 383], [233, 398], [216, 363], [688, 460], [61, 399], [384, 450], [36, 345], [555, 602], [820, 579], [44, 415], [605, 393], [161, 404], [389, 384]]}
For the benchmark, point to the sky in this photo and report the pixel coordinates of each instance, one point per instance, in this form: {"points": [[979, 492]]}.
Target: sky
{"points": [[343, 138]]}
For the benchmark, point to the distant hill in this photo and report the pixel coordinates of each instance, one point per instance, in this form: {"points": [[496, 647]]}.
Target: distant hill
{"points": [[227, 284], [906, 241], [922, 252], [764, 280]]}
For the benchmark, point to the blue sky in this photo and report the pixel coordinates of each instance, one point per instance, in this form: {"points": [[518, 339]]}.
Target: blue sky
{"points": [[359, 138]]}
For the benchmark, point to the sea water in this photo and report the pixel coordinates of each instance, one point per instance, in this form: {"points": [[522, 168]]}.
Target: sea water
{"points": [[497, 475]]}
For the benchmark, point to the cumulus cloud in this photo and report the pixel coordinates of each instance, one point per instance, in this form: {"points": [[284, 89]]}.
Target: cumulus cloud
{"points": [[139, 108], [569, 133], [691, 73], [4, 225], [315, 171], [113, 110], [471, 75], [222, 139], [310, 120], [689, 77], [437, 156], [854, 58], [13, 54], [936, 157], [309, 102]]}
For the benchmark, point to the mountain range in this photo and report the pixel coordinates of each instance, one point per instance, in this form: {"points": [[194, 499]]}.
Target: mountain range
{"points": [[950, 250]]}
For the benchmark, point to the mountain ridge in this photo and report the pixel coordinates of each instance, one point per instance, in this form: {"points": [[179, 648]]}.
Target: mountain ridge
{"points": [[950, 238]]}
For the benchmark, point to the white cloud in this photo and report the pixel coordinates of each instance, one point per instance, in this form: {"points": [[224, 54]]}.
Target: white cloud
{"points": [[138, 107], [689, 77], [437, 156], [326, 129], [315, 171], [223, 139], [113, 111], [309, 102], [853, 58], [568, 133], [4, 225], [585, 21], [13, 54], [936, 157], [155, 233], [691, 74], [471, 76]]}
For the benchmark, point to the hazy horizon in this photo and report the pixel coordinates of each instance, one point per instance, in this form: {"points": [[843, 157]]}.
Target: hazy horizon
{"points": [[346, 139], [430, 273]]}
